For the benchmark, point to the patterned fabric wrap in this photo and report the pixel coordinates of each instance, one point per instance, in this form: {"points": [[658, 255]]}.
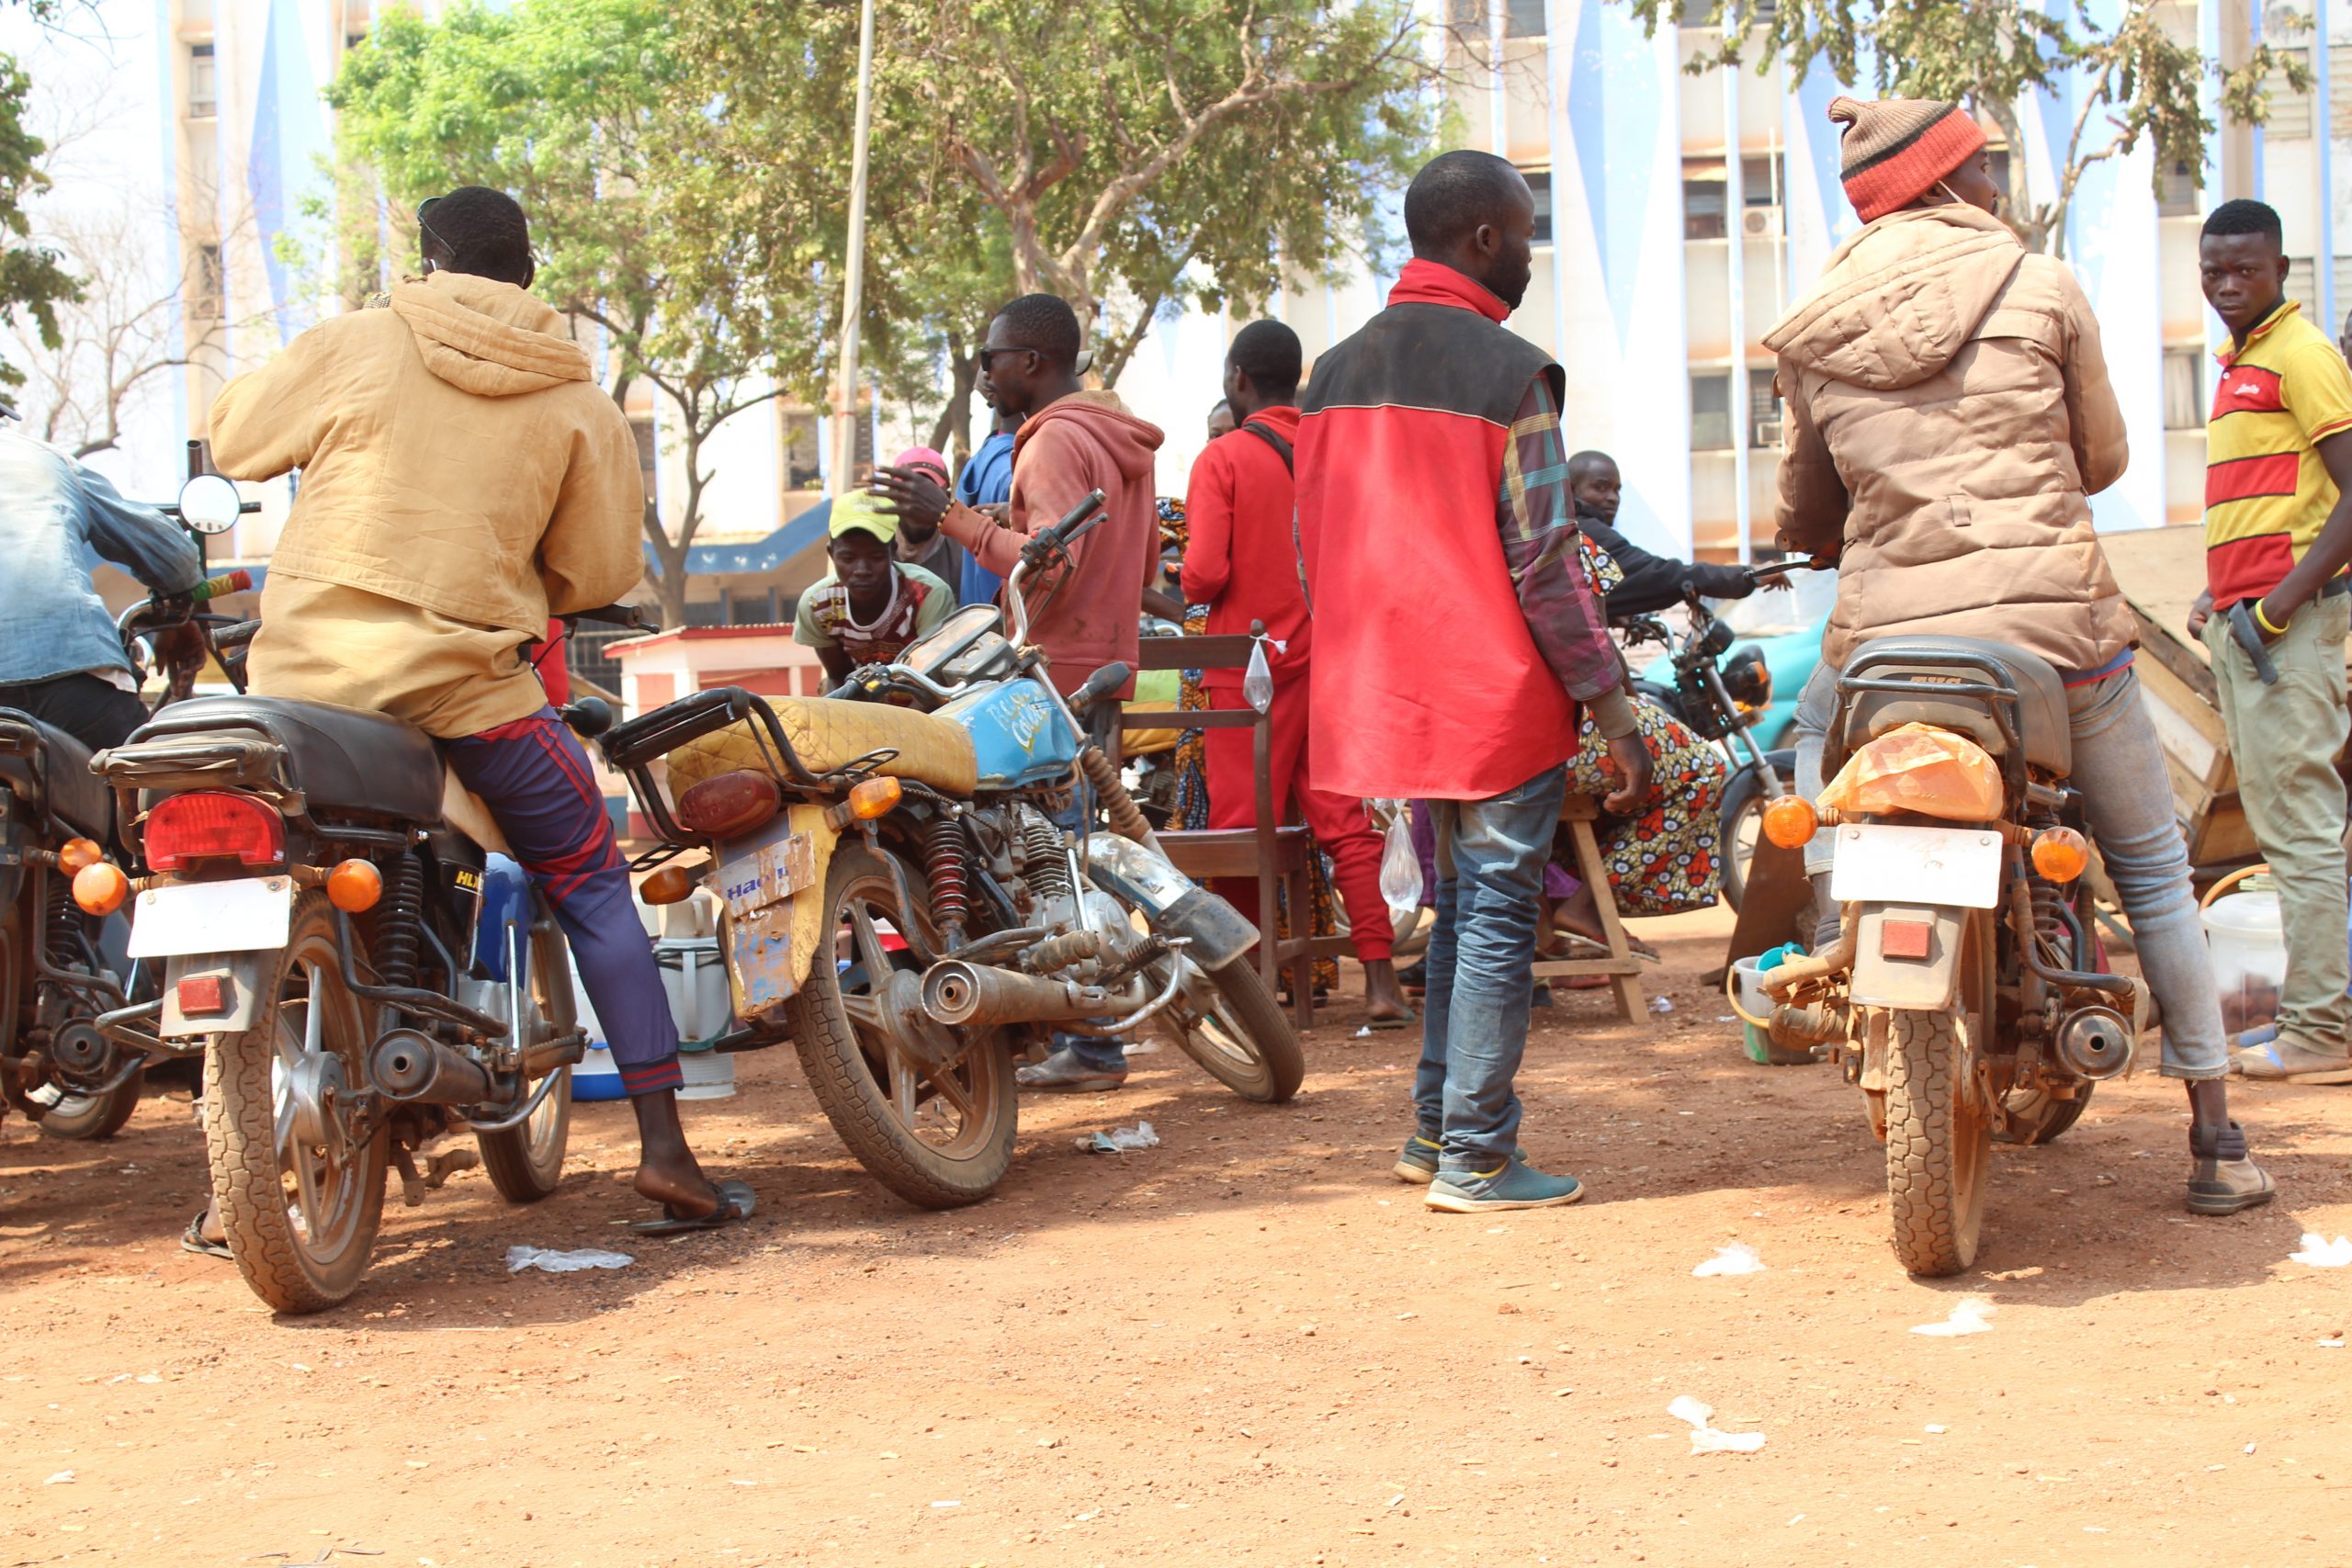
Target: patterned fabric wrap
{"points": [[1661, 860]]}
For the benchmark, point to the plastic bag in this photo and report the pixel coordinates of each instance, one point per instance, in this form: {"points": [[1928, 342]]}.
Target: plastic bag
{"points": [[1400, 865], [1258, 684], [1919, 768]]}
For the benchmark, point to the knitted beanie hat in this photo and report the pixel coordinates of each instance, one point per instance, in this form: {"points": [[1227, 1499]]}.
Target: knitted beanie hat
{"points": [[1897, 149]]}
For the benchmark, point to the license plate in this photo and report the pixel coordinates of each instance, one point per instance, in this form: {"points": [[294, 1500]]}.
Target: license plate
{"points": [[249, 915], [775, 870], [1882, 863]]}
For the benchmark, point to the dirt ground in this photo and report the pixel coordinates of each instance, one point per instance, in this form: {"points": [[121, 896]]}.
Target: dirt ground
{"points": [[1249, 1345]]}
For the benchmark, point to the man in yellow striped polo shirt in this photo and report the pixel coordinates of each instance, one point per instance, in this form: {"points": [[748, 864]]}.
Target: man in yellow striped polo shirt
{"points": [[2278, 538]]}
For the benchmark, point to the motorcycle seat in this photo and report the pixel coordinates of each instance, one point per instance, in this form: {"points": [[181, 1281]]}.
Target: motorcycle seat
{"points": [[2042, 719], [344, 761], [76, 795], [827, 733]]}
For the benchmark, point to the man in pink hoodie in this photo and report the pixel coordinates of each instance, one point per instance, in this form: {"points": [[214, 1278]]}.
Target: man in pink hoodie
{"points": [[1070, 441]]}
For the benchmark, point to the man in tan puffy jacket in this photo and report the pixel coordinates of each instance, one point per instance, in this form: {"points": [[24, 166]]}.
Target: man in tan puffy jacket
{"points": [[463, 478], [1950, 417]]}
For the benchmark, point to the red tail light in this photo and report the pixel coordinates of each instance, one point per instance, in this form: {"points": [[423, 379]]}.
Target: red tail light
{"points": [[214, 824]]}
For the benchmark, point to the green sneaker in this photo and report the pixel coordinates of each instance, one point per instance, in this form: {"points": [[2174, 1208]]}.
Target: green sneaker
{"points": [[1514, 1184], [1417, 1164]]}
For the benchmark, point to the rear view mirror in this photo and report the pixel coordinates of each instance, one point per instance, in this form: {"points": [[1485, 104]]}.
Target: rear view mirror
{"points": [[210, 504]]}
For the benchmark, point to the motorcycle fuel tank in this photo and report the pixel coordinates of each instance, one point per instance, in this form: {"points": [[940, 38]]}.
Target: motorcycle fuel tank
{"points": [[1019, 735]]}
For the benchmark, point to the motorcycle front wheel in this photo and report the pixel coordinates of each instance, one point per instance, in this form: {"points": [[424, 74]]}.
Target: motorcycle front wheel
{"points": [[939, 1136], [1741, 816], [525, 1163], [1232, 1026]]}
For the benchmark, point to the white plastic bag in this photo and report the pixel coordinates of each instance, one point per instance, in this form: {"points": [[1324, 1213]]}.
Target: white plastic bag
{"points": [[1400, 865], [1258, 685], [1704, 1437]]}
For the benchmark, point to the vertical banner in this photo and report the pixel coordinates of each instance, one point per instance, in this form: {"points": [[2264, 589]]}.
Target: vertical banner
{"points": [[1618, 165]]}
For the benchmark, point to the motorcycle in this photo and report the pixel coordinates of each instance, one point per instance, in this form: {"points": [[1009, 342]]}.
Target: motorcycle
{"points": [[60, 968], [1967, 993], [345, 943], [895, 898]]}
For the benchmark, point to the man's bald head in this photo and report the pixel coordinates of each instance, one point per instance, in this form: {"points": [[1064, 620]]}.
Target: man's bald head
{"points": [[1472, 211]]}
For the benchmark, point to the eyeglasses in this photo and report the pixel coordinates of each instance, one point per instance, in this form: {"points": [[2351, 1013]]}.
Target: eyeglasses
{"points": [[427, 229]]}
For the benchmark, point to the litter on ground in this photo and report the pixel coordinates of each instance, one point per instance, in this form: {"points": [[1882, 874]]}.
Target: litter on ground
{"points": [[1120, 1140], [1737, 1258], [1704, 1437], [2321, 1253], [1968, 1318], [549, 1260]]}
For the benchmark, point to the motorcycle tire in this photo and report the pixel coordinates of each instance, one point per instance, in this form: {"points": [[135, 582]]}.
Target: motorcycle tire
{"points": [[1938, 1145], [2035, 1118], [301, 1214], [891, 1110], [1742, 809], [525, 1163], [1246, 1042], [83, 1117]]}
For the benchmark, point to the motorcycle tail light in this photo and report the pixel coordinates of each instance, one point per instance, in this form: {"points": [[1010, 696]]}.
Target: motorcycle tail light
{"points": [[1790, 821], [729, 805], [2061, 854], [208, 824]]}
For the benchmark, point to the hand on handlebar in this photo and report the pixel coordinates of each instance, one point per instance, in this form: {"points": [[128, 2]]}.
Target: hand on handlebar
{"points": [[181, 648]]}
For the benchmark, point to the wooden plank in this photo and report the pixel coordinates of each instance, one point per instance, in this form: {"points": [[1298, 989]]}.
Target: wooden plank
{"points": [[2183, 704]]}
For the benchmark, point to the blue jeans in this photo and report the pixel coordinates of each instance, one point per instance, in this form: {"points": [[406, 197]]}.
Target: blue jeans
{"points": [[1481, 962]]}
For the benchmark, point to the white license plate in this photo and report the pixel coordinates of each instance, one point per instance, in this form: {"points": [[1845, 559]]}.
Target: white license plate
{"points": [[249, 915], [1952, 866]]}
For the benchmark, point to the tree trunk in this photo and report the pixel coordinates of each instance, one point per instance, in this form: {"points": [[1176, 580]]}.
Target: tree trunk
{"points": [[2020, 216], [671, 555], [955, 420]]}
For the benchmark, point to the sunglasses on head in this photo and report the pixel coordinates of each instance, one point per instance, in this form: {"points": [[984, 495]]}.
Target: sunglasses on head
{"points": [[427, 205]]}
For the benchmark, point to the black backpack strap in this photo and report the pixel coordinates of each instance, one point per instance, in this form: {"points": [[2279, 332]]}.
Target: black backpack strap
{"points": [[1280, 446]]}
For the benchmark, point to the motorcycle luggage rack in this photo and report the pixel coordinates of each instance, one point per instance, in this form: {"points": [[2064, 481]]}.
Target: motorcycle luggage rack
{"points": [[632, 747]]}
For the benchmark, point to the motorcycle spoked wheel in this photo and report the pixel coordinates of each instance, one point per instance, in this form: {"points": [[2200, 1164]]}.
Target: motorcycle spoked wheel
{"points": [[300, 1205], [939, 1137], [525, 1163], [1239, 1036], [88, 1116], [1741, 821], [1939, 1136]]}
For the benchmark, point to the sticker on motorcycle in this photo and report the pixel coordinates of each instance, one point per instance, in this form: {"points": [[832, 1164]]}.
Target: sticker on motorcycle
{"points": [[248, 915], [1879, 862], [772, 871]]}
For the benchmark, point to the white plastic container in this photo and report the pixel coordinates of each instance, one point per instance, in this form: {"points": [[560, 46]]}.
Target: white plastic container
{"points": [[696, 981], [2249, 957], [595, 1077], [709, 1075]]}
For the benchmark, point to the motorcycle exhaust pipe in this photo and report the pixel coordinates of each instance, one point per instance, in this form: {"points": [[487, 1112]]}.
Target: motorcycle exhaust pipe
{"points": [[976, 996], [414, 1068], [2094, 1043]]}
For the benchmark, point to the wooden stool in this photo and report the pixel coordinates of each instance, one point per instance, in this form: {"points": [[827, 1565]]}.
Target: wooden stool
{"points": [[1621, 967]]}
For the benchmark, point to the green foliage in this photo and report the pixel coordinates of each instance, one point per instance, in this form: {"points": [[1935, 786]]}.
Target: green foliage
{"points": [[2136, 79], [32, 282]]}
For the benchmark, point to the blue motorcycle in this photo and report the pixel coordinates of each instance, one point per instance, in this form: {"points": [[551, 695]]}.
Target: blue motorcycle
{"points": [[897, 900]]}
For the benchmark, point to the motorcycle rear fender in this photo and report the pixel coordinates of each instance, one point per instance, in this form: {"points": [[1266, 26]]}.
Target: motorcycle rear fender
{"points": [[1173, 904], [769, 949], [244, 972], [1912, 983]]}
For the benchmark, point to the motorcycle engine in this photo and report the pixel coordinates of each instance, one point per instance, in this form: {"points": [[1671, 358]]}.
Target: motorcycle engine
{"points": [[1068, 954]]}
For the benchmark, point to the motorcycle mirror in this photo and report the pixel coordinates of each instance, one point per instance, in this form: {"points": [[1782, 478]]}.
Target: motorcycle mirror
{"points": [[588, 717], [210, 504]]}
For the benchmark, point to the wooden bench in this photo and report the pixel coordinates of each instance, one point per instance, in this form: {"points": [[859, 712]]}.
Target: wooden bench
{"points": [[1274, 853], [1623, 970]]}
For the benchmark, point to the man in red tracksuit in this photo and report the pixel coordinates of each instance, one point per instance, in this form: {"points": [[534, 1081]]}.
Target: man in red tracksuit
{"points": [[1241, 560]]}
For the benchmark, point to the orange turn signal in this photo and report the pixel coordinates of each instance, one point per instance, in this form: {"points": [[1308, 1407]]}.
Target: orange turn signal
{"points": [[875, 797], [1790, 821], [101, 888], [671, 884], [75, 854], [354, 886], [2061, 854]]}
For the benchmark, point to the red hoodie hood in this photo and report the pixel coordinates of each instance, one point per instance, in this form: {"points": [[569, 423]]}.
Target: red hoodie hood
{"points": [[1129, 442]]}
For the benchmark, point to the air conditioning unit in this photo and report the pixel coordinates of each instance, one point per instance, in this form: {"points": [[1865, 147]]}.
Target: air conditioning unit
{"points": [[1760, 223], [1768, 433]]}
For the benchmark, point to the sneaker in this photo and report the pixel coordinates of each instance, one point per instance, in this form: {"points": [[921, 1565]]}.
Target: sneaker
{"points": [[2261, 1055], [2223, 1180], [1511, 1185], [1063, 1073], [1417, 1164]]}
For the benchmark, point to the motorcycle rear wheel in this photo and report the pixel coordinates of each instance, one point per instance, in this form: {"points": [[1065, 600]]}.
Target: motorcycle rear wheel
{"points": [[1937, 1144], [300, 1206], [938, 1136], [2036, 1118], [525, 1163]]}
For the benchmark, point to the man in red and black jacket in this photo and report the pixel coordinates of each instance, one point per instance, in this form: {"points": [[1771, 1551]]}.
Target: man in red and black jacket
{"points": [[1241, 560], [1457, 644]]}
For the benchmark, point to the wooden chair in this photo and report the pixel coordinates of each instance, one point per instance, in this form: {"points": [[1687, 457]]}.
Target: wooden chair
{"points": [[1579, 812], [1273, 852]]}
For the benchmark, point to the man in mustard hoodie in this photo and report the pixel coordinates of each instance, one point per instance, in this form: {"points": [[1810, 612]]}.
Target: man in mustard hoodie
{"points": [[463, 480]]}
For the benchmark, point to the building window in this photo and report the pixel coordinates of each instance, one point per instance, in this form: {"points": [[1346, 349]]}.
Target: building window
{"points": [[2176, 189], [1524, 18], [1704, 199], [641, 425], [203, 95], [2184, 388], [1540, 182], [801, 470], [1763, 411], [1711, 411], [207, 293]]}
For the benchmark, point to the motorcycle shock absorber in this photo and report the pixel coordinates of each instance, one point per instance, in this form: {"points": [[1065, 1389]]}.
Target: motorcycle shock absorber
{"points": [[400, 925], [943, 861], [62, 924]]}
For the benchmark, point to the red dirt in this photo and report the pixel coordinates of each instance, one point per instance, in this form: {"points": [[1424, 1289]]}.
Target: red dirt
{"points": [[1178, 1357]]}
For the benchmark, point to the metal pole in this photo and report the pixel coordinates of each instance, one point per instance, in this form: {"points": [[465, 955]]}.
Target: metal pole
{"points": [[844, 421], [1735, 281], [2323, 140]]}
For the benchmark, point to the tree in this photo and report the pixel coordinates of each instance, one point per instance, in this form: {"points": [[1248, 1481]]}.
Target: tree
{"points": [[573, 106], [2133, 81], [1130, 155], [33, 283]]}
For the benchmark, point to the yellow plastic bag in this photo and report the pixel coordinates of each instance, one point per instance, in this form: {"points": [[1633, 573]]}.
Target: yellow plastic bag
{"points": [[1919, 768]]}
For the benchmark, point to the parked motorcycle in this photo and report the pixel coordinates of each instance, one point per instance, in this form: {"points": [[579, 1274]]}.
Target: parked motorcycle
{"points": [[1966, 994], [60, 969], [360, 965], [897, 900]]}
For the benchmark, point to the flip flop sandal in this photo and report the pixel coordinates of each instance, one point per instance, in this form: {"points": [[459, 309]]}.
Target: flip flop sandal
{"points": [[736, 1201], [192, 1240], [1383, 1025]]}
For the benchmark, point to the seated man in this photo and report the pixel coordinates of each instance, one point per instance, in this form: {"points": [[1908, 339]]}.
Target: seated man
{"points": [[463, 478], [872, 604], [1650, 583]]}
